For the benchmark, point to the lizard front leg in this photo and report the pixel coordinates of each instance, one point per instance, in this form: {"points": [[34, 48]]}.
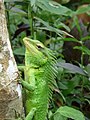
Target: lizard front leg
{"points": [[29, 82], [31, 114], [27, 86]]}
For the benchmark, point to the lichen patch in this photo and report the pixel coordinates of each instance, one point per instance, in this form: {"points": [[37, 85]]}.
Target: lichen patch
{"points": [[1, 67], [18, 89], [1, 55], [11, 70]]}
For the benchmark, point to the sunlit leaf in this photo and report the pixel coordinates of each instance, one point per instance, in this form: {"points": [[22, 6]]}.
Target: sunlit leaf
{"points": [[70, 113], [54, 7]]}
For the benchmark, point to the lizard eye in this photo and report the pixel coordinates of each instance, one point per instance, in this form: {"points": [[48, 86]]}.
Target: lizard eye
{"points": [[39, 47]]}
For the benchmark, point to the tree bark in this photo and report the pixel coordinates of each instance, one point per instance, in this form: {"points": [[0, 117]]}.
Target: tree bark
{"points": [[11, 106]]}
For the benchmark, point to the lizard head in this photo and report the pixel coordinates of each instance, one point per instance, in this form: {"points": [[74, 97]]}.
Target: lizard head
{"points": [[35, 51]]}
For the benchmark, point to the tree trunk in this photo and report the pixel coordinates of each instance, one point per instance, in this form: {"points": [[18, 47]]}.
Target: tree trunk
{"points": [[10, 92]]}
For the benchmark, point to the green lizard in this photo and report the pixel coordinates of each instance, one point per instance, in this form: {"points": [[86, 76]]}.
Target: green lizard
{"points": [[40, 72]]}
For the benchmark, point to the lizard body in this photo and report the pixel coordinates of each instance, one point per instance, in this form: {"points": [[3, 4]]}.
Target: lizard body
{"points": [[40, 72]]}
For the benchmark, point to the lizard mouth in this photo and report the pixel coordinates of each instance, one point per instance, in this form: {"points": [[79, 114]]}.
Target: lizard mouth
{"points": [[26, 42], [29, 44]]}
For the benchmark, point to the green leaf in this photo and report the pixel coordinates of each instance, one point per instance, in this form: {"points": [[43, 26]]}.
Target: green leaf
{"points": [[19, 51], [13, 0], [54, 7], [70, 113], [85, 38], [33, 2], [88, 70], [59, 117], [83, 9], [19, 11], [71, 86], [70, 39], [50, 28], [71, 68], [62, 25], [83, 49], [85, 1]]}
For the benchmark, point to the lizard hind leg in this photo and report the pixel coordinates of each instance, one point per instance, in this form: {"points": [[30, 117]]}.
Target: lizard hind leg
{"points": [[31, 114]]}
